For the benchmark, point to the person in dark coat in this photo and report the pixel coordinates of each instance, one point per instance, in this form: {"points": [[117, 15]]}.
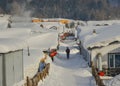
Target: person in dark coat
{"points": [[68, 52]]}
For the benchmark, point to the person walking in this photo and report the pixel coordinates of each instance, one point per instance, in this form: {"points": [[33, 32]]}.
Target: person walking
{"points": [[68, 52], [53, 54]]}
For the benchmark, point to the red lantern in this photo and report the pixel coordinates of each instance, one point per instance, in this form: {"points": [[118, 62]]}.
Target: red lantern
{"points": [[101, 73]]}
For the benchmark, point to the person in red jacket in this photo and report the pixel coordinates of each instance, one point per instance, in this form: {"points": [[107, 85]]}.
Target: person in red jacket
{"points": [[52, 54]]}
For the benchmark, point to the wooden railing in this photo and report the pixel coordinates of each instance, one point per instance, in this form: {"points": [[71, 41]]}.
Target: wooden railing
{"points": [[99, 81], [39, 76]]}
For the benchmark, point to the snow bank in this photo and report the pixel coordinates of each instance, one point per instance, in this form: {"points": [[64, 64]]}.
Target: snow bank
{"points": [[22, 24], [37, 43], [21, 19], [115, 81], [4, 20], [46, 40], [15, 33], [3, 24]]}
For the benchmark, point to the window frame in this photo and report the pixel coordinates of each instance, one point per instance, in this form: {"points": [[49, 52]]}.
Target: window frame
{"points": [[110, 54]]}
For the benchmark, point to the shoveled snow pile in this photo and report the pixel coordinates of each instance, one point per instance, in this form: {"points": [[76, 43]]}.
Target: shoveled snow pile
{"points": [[115, 81]]}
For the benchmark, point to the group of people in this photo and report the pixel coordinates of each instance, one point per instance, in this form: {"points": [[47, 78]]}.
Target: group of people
{"points": [[52, 53]]}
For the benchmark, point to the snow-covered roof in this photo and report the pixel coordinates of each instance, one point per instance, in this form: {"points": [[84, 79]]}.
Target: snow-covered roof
{"points": [[13, 39], [10, 44], [103, 36], [103, 23]]}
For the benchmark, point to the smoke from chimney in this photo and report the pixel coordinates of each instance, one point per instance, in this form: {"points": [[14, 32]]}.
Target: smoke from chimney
{"points": [[19, 9]]}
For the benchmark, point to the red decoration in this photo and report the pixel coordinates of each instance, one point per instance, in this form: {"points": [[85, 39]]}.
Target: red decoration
{"points": [[101, 73]]}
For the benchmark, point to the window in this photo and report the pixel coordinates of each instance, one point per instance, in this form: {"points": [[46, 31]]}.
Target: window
{"points": [[114, 60], [117, 60], [111, 60]]}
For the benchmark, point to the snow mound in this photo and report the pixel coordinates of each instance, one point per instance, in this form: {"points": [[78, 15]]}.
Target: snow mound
{"points": [[115, 81]]}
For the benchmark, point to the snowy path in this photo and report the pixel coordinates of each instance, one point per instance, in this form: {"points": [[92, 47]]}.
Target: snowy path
{"points": [[72, 72]]}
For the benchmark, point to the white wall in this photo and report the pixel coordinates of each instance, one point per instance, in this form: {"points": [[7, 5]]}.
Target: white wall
{"points": [[14, 67], [85, 54], [1, 70], [9, 69], [18, 66]]}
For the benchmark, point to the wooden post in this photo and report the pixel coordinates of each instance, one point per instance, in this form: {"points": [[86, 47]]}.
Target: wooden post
{"points": [[27, 81], [28, 50]]}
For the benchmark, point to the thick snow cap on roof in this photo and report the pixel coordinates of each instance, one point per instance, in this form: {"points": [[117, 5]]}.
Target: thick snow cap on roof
{"points": [[13, 39], [10, 44], [103, 36]]}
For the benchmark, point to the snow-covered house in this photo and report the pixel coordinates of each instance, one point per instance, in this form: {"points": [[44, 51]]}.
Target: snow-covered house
{"points": [[101, 45], [12, 42], [11, 62]]}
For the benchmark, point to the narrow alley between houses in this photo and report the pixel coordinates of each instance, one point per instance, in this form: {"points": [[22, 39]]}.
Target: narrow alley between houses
{"points": [[69, 72]]}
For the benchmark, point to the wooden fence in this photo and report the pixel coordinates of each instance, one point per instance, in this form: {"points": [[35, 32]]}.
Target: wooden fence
{"points": [[99, 81], [39, 76]]}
